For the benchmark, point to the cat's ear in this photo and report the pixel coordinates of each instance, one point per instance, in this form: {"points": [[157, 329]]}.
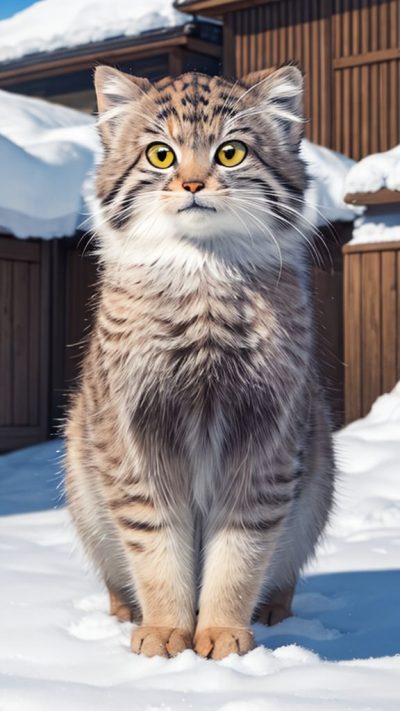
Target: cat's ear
{"points": [[281, 93], [115, 90]]}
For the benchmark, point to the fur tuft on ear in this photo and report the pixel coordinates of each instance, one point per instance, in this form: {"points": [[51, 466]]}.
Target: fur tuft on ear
{"points": [[281, 92], [114, 91]]}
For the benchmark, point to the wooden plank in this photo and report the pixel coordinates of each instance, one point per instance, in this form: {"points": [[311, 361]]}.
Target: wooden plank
{"points": [[216, 8], [194, 44], [253, 63], [327, 118], [365, 112], [19, 250], [383, 26], [355, 29], [283, 33], [316, 71], [337, 78], [383, 129], [394, 24], [6, 360], [355, 114], [34, 345], [260, 38], [352, 337], [371, 329], [245, 41], [390, 320], [20, 343], [380, 197], [175, 61], [380, 55], [374, 34], [393, 111], [336, 30], [290, 30], [229, 45], [376, 109], [238, 45], [371, 247], [45, 340]]}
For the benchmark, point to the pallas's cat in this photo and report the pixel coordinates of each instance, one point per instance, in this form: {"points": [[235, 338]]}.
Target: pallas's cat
{"points": [[199, 464]]}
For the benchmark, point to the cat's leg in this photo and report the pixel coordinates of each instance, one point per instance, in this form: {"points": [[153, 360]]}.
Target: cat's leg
{"points": [[307, 518], [159, 552], [88, 507], [237, 557], [121, 610], [278, 607]]}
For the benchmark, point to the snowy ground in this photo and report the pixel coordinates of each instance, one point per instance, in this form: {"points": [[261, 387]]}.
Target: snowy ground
{"points": [[60, 649]]}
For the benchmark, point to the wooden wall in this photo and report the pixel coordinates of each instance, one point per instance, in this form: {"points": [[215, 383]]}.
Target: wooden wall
{"points": [[350, 53], [372, 323], [24, 342], [46, 306], [74, 281]]}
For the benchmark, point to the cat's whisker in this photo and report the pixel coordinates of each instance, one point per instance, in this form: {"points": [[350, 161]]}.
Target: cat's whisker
{"points": [[273, 214]]}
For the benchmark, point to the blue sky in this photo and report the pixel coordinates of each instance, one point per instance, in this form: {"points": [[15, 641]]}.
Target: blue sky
{"points": [[10, 7]]}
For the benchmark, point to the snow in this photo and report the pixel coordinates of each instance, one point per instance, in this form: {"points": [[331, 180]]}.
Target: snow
{"points": [[59, 648], [46, 154], [378, 224], [49, 25], [327, 170], [376, 171]]}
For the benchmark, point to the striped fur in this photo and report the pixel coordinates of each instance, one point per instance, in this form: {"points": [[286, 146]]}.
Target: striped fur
{"points": [[199, 464]]}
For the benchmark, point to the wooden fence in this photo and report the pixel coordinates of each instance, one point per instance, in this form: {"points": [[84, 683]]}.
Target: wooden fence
{"points": [[45, 312], [371, 323], [24, 341]]}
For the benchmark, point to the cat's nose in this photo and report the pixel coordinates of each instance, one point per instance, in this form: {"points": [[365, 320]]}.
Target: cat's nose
{"points": [[193, 186]]}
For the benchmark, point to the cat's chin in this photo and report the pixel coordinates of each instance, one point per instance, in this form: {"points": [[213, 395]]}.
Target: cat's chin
{"points": [[203, 224]]}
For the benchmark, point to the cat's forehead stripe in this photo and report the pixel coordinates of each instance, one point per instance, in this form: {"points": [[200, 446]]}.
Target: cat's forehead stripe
{"points": [[195, 102]]}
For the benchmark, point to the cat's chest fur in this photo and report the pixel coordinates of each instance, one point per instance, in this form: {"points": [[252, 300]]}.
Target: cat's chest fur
{"points": [[189, 351]]}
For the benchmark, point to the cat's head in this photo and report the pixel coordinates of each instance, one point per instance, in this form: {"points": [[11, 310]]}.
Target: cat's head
{"points": [[200, 157]]}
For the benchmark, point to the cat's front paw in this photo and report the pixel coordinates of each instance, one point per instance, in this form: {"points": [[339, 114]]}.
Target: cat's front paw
{"points": [[218, 642], [160, 641]]}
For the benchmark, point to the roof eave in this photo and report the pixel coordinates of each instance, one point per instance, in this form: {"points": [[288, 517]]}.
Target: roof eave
{"points": [[109, 51], [216, 8]]}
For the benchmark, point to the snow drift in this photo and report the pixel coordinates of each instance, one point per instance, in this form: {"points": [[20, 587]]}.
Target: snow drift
{"points": [[46, 153]]}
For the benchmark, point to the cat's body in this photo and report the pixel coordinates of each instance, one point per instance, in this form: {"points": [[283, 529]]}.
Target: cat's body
{"points": [[199, 465]]}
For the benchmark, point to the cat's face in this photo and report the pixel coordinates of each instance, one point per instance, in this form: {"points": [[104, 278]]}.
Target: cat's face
{"points": [[199, 157]]}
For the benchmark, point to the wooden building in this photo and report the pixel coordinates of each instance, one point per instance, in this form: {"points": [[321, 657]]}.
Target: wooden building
{"points": [[349, 51]]}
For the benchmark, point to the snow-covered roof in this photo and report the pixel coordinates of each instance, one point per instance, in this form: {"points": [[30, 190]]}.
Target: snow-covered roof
{"points": [[375, 172], [50, 25], [46, 153]]}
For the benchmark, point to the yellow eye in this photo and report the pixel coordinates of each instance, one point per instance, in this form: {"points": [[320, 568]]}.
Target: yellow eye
{"points": [[160, 155], [231, 154]]}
